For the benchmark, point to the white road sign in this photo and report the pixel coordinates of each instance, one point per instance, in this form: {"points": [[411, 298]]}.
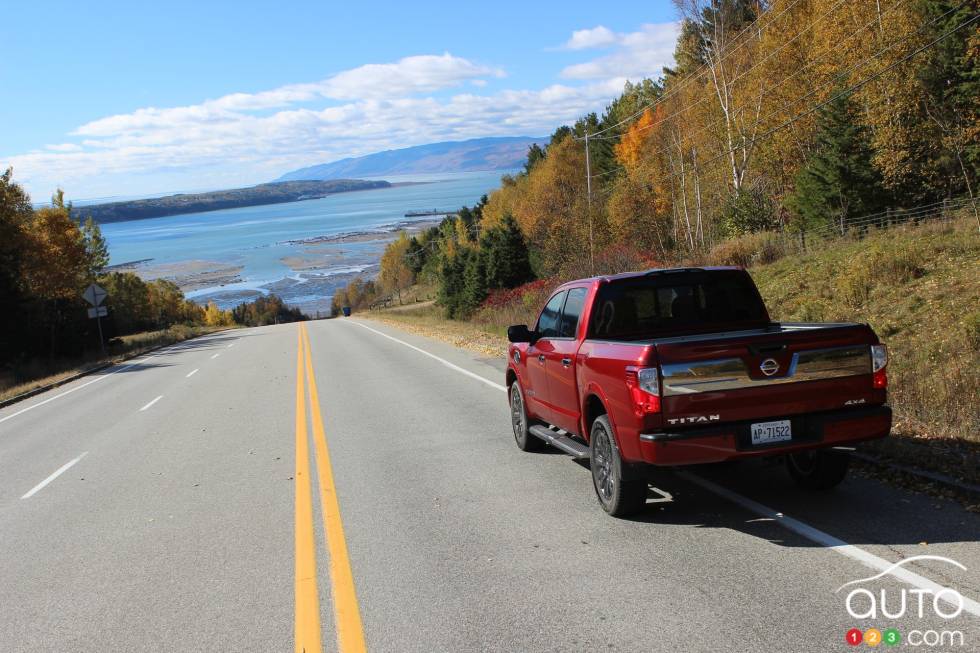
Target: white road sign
{"points": [[98, 311], [94, 294]]}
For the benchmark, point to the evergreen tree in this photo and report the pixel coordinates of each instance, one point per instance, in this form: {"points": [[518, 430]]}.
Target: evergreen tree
{"points": [[950, 77], [506, 255], [474, 283], [534, 154], [839, 181], [451, 283], [415, 255]]}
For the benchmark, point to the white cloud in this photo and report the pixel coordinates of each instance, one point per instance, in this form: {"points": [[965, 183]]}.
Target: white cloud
{"points": [[595, 37], [64, 147], [217, 143], [244, 138], [635, 55], [408, 76]]}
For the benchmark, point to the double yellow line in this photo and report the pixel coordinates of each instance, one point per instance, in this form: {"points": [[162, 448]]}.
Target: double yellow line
{"points": [[347, 615]]}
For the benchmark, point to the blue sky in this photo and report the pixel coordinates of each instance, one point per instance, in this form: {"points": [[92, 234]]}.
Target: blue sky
{"points": [[122, 99]]}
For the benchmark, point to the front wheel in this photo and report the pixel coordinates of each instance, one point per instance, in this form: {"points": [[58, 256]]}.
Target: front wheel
{"points": [[616, 495], [519, 422], [818, 470]]}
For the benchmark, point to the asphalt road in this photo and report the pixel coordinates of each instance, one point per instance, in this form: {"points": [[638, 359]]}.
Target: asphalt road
{"points": [[210, 498]]}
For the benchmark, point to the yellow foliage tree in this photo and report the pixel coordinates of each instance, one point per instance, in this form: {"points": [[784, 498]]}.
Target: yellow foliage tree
{"points": [[396, 274], [57, 261], [214, 316], [629, 150]]}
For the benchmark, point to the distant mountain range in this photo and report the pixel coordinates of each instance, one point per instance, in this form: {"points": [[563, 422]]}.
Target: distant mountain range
{"points": [[496, 153], [272, 193]]}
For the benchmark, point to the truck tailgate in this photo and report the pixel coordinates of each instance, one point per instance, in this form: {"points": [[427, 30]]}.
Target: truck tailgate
{"points": [[779, 371]]}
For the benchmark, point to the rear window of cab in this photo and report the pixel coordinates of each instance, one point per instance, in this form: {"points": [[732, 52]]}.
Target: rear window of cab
{"points": [[640, 307]]}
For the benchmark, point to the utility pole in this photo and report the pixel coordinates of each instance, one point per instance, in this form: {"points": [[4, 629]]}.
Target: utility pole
{"points": [[588, 187]]}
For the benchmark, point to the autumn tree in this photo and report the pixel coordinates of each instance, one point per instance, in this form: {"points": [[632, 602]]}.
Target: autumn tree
{"points": [[629, 150], [215, 317], [15, 213], [128, 302], [396, 271]]}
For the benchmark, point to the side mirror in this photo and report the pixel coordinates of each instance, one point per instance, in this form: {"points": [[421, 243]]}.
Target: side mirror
{"points": [[519, 333]]}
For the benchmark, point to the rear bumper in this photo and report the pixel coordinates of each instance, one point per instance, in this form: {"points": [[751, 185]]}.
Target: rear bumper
{"points": [[732, 440]]}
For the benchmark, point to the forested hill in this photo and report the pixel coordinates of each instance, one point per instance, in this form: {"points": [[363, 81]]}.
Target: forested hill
{"points": [[494, 153], [273, 193]]}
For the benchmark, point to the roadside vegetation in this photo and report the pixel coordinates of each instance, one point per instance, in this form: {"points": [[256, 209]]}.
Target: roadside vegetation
{"points": [[917, 285], [780, 125], [47, 259], [831, 148]]}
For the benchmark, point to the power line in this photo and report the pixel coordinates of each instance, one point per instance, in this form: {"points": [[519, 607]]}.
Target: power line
{"points": [[833, 80], [850, 89], [798, 72], [834, 97], [754, 25], [785, 80]]}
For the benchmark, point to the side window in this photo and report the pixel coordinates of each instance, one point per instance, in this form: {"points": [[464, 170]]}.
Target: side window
{"points": [[548, 322], [572, 312]]}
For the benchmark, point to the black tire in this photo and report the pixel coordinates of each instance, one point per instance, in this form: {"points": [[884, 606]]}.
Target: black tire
{"points": [[818, 470], [617, 496], [519, 421]]}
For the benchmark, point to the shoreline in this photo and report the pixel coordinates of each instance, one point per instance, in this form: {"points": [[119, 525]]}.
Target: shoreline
{"points": [[367, 235], [318, 268]]}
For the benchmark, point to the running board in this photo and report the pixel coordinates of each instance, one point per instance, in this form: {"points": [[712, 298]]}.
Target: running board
{"points": [[559, 440]]}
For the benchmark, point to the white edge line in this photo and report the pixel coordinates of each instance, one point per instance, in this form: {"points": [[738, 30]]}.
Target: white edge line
{"points": [[151, 403], [451, 366], [61, 470], [192, 372], [95, 380], [790, 524], [830, 542]]}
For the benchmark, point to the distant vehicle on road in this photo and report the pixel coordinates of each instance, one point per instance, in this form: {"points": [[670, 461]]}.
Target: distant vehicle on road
{"points": [[684, 366]]}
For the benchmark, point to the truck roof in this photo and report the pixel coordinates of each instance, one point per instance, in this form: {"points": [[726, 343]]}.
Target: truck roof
{"points": [[652, 271]]}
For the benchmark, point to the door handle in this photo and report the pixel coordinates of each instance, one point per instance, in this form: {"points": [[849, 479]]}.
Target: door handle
{"points": [[540, 358], [566, 361]]}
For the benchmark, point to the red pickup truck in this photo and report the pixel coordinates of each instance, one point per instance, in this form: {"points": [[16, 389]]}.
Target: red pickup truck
{"points": [[684, 366]]}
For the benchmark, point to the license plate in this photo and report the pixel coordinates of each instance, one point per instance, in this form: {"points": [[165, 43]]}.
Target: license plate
{"points": [[768, 432]]}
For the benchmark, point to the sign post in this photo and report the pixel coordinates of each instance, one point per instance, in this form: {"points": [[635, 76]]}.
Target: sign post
{"points": [[95, 295]]}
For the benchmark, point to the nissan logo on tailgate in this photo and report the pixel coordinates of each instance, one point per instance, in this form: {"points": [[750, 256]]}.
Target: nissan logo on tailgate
{"points": [[769, 367]]}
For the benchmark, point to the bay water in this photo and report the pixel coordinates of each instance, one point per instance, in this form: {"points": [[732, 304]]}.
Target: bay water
{"points": [[262, 239]]}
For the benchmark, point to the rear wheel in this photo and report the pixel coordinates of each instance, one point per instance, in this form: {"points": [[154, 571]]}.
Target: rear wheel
{"points": [[519, 421], [818, 470], [617, 496]]}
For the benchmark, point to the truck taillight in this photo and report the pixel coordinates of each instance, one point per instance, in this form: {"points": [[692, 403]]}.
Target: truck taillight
{"points": [[879, 361], [644, 387]]}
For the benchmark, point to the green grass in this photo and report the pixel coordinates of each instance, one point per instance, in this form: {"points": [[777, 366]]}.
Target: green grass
{"points": [[919, 289]]}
